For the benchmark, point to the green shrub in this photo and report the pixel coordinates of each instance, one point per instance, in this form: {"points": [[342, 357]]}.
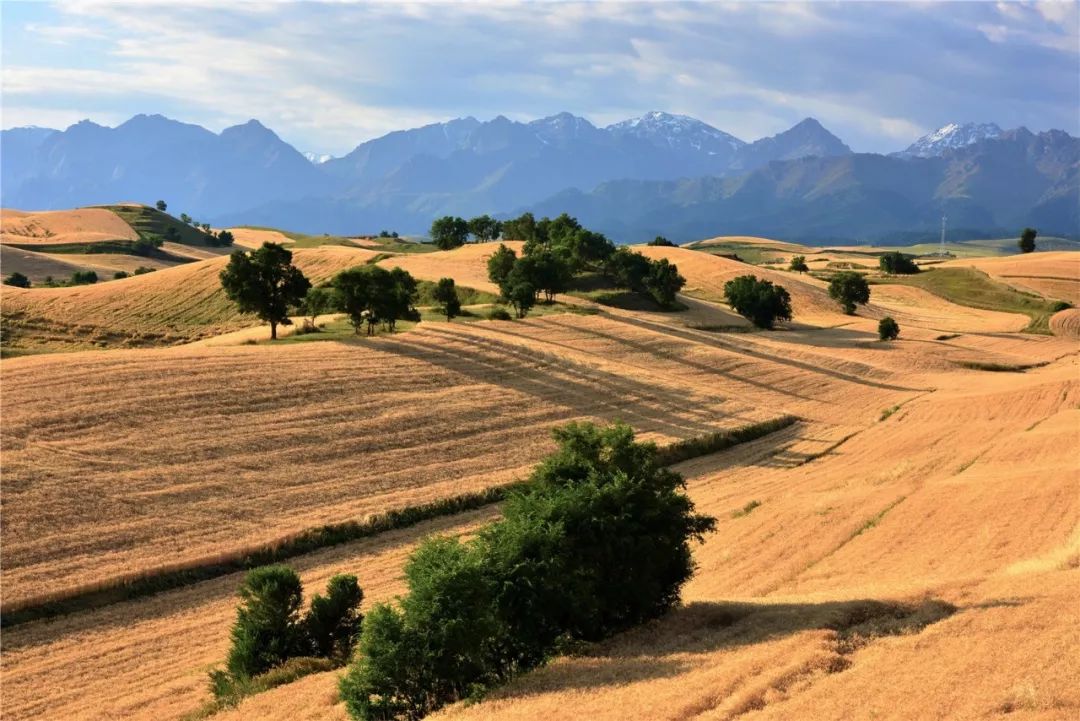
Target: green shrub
{"points": [[18, 280], [332, 623], [83, 277], [1059, 305], [798, 264], [888, 329], [598, 540], [759, 301], [267, 629], [120, 275], [849, 289], [499, 313], [896, 263], [143, 269]]}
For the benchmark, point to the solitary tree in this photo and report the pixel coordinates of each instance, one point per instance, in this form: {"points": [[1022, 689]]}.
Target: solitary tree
{"points": [[484, 228], [225, 238], [848, 288], [185, 218], [888, 329], [798, 264], [446, 296], [1027, 240], [161, 205], [500, 264], [266, 283], [18, 280], [449, 232], [661, 240], [664, 281], [759, 301], [519, 293]]}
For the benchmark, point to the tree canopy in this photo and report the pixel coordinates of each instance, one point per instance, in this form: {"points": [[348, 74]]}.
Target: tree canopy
{"points": [[266, 283], [484, 228], [446, 297], [1027, 240], [759, 301], [371, 294], [849, 289], [449, 232], [896, 263]]}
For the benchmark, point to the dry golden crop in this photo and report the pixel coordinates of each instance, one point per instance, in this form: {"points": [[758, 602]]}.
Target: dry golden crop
{"points": [[52, 227]]}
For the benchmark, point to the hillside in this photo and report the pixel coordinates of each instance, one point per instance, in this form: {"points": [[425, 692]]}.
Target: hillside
{"points": [[167, 307]]}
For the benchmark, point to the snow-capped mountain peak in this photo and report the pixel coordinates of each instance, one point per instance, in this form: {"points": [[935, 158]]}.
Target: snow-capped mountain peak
{"points": [[677, 131], [318, 158], [951, 137]]}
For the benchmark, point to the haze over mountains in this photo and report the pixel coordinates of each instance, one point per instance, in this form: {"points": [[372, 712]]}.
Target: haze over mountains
{"points": [[659, 173]]}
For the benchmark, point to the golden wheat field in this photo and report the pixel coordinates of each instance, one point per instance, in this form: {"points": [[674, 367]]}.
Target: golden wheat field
{"points": [[169, 306], [1053, 274], [467, 265], [51, 227], [910, 549]]}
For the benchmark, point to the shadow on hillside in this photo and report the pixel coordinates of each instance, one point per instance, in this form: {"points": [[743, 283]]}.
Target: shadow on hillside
{"points": [[586, 389], [659, 649]]}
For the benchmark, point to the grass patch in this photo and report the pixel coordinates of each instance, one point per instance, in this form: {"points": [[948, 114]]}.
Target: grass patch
{"points": [[629, 300], [238, 689], [745, 510], [888, 412], [468, 296], [714, 442], [334, 534], [151, 223], [1000, 367], [872, 522], [975, 289]]}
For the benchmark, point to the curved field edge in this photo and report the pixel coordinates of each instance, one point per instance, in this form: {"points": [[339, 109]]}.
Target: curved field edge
{"points": [[154, 581]]}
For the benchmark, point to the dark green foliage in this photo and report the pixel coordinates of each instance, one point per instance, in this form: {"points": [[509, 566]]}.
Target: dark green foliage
{"points": [[663, 281], [597, 541], [499, 313], [484, 228], [449, 232], [1027, 240], [896, 263], [521, 228], [224, 238], [848, 288], [585, 249], [147, 245], [628, 269], [266, 283], [267, 629], [759, 301], [185, 219], [119, 275], [447, 298], [318, 301], [143, 269], [372, 294], [83, 277], [798, 264], [546, 271], [500, 264], [161, 205], [1059, 305], [661, 240], [520, 294], [172, 234], [332, 623], [18, 280], [888, 329], [697, 446]]}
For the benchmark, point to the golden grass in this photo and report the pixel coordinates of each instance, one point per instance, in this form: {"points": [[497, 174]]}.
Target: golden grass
{"points": [[1066, 323], [1053, 274], [166, 307], [51, 227], [467, 265], [255, 237]]}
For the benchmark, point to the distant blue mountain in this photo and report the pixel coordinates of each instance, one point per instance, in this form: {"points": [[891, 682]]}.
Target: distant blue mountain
{"points": [[658, 173]]}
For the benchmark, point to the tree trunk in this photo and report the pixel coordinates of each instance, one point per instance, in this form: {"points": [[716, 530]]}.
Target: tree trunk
{"points": [[273, 331]]}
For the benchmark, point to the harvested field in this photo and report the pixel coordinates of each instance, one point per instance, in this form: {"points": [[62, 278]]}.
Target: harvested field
{"points": [[39, 266], [1055, 274], [162, 308], [55, 227], [255, 237], [1066, 323], [467, 265]]}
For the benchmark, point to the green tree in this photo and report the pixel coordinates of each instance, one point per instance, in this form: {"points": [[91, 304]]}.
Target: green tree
{"points": [[888, 329], [628, 269], [759, 301], [316, 302], [546, 271], [185, 218], [332, 622], [663, 282], [449, 232], [266, 283], [520, 294], [370, 294], [661, 240], [521, 228], [18, 280], [896, 263], [83, 277], [500, 264], [267, 630], [446, 296], [849, 289], [120, 275], [798, 264], [1027, 240], [161, 205], [484, 228], [225, 238], [585, 249]]}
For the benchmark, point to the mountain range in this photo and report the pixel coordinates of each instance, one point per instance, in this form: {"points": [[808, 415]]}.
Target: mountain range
{"points": [[656, 174]]}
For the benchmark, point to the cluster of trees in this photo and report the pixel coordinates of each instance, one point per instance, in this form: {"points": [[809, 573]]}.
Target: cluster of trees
{"points": [[449, 232], [558, 249], [270, 628], [896, 263], [1027, 240], [759, 301], [17, 280], [220, 239], [265, 282], [849, 289], [599, 541]]}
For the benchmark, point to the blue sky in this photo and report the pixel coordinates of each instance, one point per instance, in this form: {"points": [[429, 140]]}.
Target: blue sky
{"points": [[328, 76]]}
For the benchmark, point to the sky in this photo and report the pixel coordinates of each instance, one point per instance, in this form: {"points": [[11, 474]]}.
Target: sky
{"points": [[327, 76]]}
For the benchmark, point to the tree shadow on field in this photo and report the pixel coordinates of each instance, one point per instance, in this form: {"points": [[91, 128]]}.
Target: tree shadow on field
{"points": [[585, 389], [662, 648]]}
